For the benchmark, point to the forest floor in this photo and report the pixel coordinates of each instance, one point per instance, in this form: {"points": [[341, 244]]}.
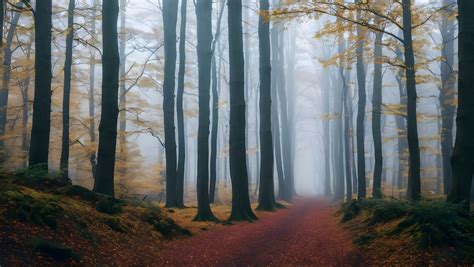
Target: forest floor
{"points": [[46, 222], [307, 233]]}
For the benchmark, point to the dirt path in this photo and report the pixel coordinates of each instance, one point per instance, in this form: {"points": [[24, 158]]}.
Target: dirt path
{"points": [[305, 234]]}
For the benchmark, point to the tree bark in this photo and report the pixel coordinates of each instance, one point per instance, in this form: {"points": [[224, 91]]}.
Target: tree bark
{"points": [[204, 52], [4, 93], [40, 132], [414, 181], [377, 116], [241, 209], [123, 91], [170, 17], [448, 92], [104, 182], [92, 59], [266, 200], [361, 80], [179, 107], [275, 83], [463, 153], [215, 106], [64, 164]]}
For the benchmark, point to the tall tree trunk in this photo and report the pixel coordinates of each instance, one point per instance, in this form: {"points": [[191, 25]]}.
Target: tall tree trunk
{"points": [[170, 17], [40, 132], [448, 91], [266, 200], [64, 164], [377, 116], [347, 117], [414, 182], [204, 52], [463, 153], [25, 87], [92, 60], [361, 80], [123, 91], [179, 107], [401, 124], [7, 61], [241, 209], [276, 81], [339, 147], [215, 106], [104, 181], [285, 129]]}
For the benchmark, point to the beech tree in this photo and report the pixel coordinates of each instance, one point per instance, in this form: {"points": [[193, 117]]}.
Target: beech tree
{"points": [[241, 209], [266, 199], [170, 17], [64, 165], [204, 51], [104, 180], [40, 131], [463, 153]]}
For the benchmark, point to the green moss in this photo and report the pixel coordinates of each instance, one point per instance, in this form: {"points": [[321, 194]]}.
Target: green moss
{"points": [[364, 239], [109, 205], [55, 250], [80, 192]]}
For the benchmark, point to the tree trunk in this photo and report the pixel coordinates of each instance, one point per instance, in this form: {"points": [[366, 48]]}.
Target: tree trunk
{"points": [[64, 164], [92, 135], [215, 106], [266, 200], [414, 182], [275, 83], [448, 92], [25, 87], [377, 116], [241, 209], [463, 153], [39, 145], [179, 107], [123, 91], [204, 52], [104, 182], [7, 61], [361, 178], [170, 17]]}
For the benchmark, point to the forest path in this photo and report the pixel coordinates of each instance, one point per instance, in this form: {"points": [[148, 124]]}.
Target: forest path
{"points": [[305, 234]]}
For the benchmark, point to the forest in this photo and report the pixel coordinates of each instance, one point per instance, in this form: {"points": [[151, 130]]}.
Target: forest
{"points": [[236, 132]]}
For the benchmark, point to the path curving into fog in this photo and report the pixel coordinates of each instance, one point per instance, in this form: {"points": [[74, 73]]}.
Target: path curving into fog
{"points": [[305, 234]]}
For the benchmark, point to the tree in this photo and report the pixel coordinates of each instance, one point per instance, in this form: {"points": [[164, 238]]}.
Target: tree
{"points": [[377, 116], [448, 92], [277, 79], [361, 89], [7, 61], [91, 98], [104, 180], [414, 178], [241, 209], [64, 165], [266, 198], [39, 144], [170, 17], [215, 106], [463, 153], [204, 52], [179, 108]]}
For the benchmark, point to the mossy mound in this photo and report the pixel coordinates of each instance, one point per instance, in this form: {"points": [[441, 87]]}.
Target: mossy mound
{"points": [[166, 226], [55, 250], [27, 209], [430, 223]]}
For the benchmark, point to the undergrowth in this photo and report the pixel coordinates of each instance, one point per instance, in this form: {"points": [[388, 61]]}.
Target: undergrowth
{"points": [[431, 224]]}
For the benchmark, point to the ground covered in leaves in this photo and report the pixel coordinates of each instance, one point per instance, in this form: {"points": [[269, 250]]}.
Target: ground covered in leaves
{"points": [[393, 232], [44, 220]]}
